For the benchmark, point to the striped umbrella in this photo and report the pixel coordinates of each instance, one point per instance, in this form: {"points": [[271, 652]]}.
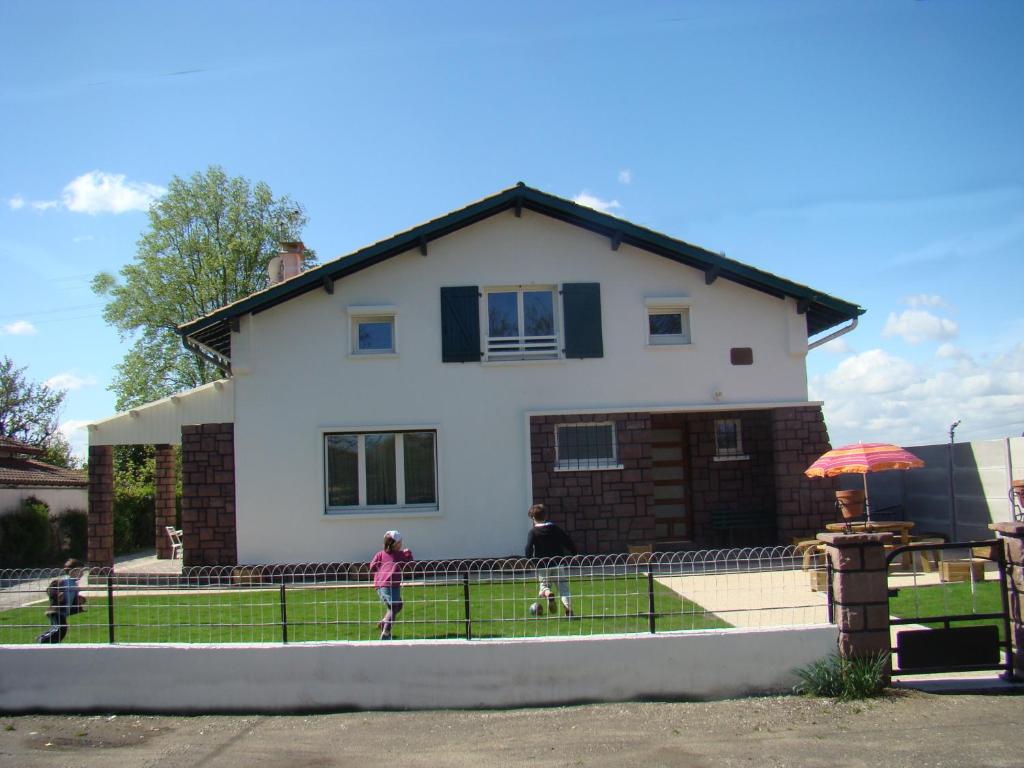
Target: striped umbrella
{"points": [[861, 458]]}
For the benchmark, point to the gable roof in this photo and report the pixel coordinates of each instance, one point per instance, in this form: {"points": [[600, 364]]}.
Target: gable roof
{"points": [[212, 332], [9, 446]]}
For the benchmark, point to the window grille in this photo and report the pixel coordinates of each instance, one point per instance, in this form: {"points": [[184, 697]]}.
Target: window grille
{"points": [[585, 446]]}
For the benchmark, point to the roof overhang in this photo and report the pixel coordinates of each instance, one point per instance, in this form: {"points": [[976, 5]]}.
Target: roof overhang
{"points": [[211, 334]]}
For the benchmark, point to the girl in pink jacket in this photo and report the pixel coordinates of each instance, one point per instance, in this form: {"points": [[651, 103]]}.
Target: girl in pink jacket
{"points": [[386, 568]]}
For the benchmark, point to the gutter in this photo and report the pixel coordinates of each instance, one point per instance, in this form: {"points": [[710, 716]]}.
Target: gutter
{"points": [[833, 335]]}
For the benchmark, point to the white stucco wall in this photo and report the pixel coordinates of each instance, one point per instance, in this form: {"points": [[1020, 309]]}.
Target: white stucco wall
{"points": [[294, 379], [58, 499], [420, 675]]}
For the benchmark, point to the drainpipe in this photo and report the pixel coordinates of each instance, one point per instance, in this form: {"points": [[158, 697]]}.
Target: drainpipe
{"points": [[952, 481], [833, 335]]}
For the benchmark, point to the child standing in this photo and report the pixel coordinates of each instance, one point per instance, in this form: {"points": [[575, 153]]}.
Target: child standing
{"points": [[386, 567], [65, 600], [547, 540]]}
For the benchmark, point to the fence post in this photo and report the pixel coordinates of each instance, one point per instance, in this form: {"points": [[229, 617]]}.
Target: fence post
{"points": [[650, 601], [110, 606], [860, 593], [465, 600], [1013, 547], [284, 613]]}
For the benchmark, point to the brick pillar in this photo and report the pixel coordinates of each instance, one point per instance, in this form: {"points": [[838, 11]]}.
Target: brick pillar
{"points": [[208, 494], [860, 591], [165, 498], [1013, 543], [803, 505], [100, 525]]}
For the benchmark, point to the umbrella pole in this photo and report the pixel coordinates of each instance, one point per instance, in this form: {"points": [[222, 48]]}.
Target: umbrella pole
{"points": [[867, 503]]}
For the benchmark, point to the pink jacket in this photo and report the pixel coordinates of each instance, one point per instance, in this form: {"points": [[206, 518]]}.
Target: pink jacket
{"points": [[386, 567]]}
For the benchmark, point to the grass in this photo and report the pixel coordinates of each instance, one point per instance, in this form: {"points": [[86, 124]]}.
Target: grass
{"points": [[953, 598], [612, 605], [844, 679]]}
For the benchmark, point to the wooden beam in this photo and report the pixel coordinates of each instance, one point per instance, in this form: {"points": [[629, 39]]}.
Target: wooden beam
{"points": [[328, 284], [423, 246], [616, 239], [804, 304], [711, 274], [234, 324]]}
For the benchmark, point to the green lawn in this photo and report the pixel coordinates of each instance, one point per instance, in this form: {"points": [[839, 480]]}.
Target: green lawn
{"points": [[953, 598], [253, 615]]}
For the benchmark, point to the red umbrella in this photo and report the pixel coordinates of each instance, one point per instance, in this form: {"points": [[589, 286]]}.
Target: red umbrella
{"points": [[861, 458]]}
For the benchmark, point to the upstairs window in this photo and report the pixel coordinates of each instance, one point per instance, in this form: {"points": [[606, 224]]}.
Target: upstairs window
{"points": [[520, 323], [586, 446], [373, 330], [668, 322]]}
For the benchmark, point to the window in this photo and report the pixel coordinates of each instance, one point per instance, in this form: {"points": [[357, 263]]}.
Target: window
{"points": [[520, 323], [373, 330], [381, 469], [668, 321], [585, 446], [728, 440]]}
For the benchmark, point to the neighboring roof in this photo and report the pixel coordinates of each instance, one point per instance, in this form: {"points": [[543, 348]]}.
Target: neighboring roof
{"points": [[213, 331], [9, 445], [24, 473]]}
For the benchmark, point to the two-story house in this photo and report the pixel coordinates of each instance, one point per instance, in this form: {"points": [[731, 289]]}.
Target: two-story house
{"points": [[522, 349]]}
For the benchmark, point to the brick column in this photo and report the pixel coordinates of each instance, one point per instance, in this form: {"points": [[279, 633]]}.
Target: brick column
{"points": [[861, 593], [208, 494], [1013, 543], [100, 524], [165, 498], [803, 505]]}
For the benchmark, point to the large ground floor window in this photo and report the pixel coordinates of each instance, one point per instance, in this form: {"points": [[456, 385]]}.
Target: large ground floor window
{"points": [[372, 470]]}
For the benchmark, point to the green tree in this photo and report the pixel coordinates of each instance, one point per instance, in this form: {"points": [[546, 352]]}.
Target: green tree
{"points": [[208, 243], [30, 412]]}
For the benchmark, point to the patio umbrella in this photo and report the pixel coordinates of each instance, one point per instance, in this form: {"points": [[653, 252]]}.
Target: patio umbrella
{"points": [[861, 458]]}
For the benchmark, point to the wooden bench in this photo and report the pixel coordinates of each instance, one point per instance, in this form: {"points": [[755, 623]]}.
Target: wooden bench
{"points": [[759, 523]]}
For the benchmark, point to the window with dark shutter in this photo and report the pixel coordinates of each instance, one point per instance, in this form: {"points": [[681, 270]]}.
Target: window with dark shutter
{"points": [[460, 324], [581, 304]]}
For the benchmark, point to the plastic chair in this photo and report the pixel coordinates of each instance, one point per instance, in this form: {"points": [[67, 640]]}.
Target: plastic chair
{"points": [[174, 534]]}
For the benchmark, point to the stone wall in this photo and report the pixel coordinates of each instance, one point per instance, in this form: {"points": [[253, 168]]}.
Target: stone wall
{"points": [[101, 506], [603, 510], [166, 487], [803, 505], [208, 494], [1013, 542]]}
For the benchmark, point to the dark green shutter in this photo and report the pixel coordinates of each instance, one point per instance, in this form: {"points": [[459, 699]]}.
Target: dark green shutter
{"points": [[460, 324], [581, 305]]}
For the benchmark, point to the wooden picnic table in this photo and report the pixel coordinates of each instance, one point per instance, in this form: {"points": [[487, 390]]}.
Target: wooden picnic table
{"points": [[899, 528]]}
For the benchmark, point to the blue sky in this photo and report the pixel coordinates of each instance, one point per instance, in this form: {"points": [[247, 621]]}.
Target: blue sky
{"points": [[872, 150]]}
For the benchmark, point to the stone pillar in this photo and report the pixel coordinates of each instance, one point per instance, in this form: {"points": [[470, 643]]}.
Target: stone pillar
{"points": [[860, 592], [100, 526], [1013, 544], [803, 505], [166, 486], [208, 494]]}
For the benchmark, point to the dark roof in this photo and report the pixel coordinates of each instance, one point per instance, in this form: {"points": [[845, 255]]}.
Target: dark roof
{"points": [[8, 445], [823, 311], [22, 473]]}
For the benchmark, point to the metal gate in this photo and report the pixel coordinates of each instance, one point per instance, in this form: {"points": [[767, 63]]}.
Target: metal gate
{"points": [[953, 645]]}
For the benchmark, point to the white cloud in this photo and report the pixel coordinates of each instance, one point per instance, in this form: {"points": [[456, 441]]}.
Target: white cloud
{"points": [[70, 381], [926, 300], [839, 346], [101, 192], [18, 328], [970, 245], [75, 432], [625, 176], [589, 200], [82, 238], [16, 203], [876, 396], [44, 205], [917, 325]]}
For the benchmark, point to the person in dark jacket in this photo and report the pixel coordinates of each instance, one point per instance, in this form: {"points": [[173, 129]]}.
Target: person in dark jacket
{"points": [[549, 542], [66, 599]]}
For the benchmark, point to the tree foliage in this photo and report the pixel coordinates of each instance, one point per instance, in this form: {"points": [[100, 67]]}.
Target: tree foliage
{"points": [[30, 412], [207, 244]]}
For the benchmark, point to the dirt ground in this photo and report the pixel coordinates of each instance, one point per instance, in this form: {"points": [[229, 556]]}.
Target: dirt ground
{"points": [[904, 728]]}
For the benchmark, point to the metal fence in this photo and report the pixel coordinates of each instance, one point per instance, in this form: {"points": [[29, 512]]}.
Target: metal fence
{"points": [[467, 599]]}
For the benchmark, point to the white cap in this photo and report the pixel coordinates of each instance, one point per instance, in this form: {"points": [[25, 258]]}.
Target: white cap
{"points": [[396, 535]]}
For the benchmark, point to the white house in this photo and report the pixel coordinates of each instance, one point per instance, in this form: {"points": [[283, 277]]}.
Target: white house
{"points": [[522, 349], [23, 475]]}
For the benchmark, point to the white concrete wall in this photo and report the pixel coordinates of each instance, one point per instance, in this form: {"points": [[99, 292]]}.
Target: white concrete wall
{"points": [[420, 675], [294, 378], [58, 499]]}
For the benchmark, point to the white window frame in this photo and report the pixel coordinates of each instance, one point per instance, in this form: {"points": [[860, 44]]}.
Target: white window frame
{"points": [[400, 506], [587, 465], [730, 454], [523, 347], [669, 305], [372, 313]]}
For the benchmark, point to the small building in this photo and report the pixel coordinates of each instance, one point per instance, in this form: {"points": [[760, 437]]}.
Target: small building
{"points": [[22, 475], [521, 349]]}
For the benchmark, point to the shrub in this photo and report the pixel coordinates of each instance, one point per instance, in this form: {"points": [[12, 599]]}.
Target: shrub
{"points": [[71, 534], [134, 518], [25, 535], [846, 679]]}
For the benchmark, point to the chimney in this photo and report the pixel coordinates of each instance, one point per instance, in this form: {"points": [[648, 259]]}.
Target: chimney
{"points": [[287, 263]]}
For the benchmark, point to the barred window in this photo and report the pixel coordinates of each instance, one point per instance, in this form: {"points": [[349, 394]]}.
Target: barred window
{"points": [[586, 446], [728, 439]]}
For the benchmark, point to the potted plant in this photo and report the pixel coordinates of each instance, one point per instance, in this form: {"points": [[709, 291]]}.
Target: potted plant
{"points": [[851, 503]]}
